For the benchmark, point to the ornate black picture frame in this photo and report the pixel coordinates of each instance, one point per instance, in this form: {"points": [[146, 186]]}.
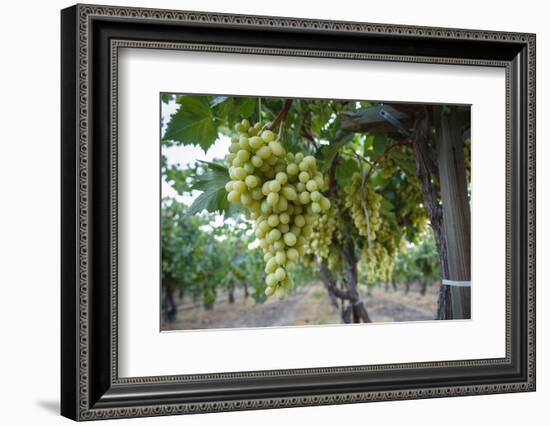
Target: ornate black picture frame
{"points": [[91, 388]]}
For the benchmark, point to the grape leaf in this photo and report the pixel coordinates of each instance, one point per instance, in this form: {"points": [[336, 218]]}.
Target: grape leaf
{"points": [[242, 107], [404, 161], [166, 97], [230, 109], [386, 205], [345, 170], [193, 123], [214, 196], [379, 144], [368, 143], [214, 175], [329, 151]]}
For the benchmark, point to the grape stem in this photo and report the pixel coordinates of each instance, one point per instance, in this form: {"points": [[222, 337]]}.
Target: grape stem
{"points": [[357, 156], [305, 133], [259, 110], [364, 205], [282, 114]]}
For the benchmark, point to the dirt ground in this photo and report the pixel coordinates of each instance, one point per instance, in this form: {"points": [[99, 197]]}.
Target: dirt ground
{"points": [[306, 306]]}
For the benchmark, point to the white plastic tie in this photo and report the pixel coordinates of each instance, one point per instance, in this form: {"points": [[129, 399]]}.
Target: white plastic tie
{"points": [[457, 283]]}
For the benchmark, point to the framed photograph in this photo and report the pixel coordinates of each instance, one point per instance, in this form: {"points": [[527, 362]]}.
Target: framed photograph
{"points": [[263, 212]]}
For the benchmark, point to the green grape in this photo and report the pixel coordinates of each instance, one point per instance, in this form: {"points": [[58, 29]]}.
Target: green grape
{"points": [[303, 177], [238, 173], [274, 235], [270, 280], [280, 257], [315, 196], [304, 197], [239, 186], [284, 218], [255, 142], [281, 177], [252, 181], [280, 292], [299, 220], [292, 254], [248, 168], [272, 198], [292, 169], [280, 274], [273, 220], [270, 291], [245, 124], [243, 155], [325, 203], [290, 239], [289, 192], [264, 152], [229, 159], [283, 227], [279, 245], [267, 136], [234, 197], [257, 161], [274, 186], [246, 199], [276, 148], [296, 230], [256, 193], [282, 205], [244, 143]]}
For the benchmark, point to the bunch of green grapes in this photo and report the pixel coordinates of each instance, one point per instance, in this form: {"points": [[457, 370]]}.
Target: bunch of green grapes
{"points": [[323, 231], [419, 219], [381, 254], [388, 169], [334, 260], [282, 193], [359, 197], [414, 213]]}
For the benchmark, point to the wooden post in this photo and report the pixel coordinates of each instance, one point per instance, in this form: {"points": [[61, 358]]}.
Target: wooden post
{"points": [[456, 209]]}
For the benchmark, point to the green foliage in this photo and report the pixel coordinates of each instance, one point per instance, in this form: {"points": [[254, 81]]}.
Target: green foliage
{"points": [[418, 262], [328, 152], [345, 170], [227, 109], [211, 181], [193, 123], [181, 240]]}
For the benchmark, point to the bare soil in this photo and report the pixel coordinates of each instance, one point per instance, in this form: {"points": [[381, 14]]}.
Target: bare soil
{"points": [[306, 306]]}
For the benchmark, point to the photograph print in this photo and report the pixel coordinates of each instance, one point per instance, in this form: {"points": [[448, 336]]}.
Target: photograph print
{"points": [[304, 212]]}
